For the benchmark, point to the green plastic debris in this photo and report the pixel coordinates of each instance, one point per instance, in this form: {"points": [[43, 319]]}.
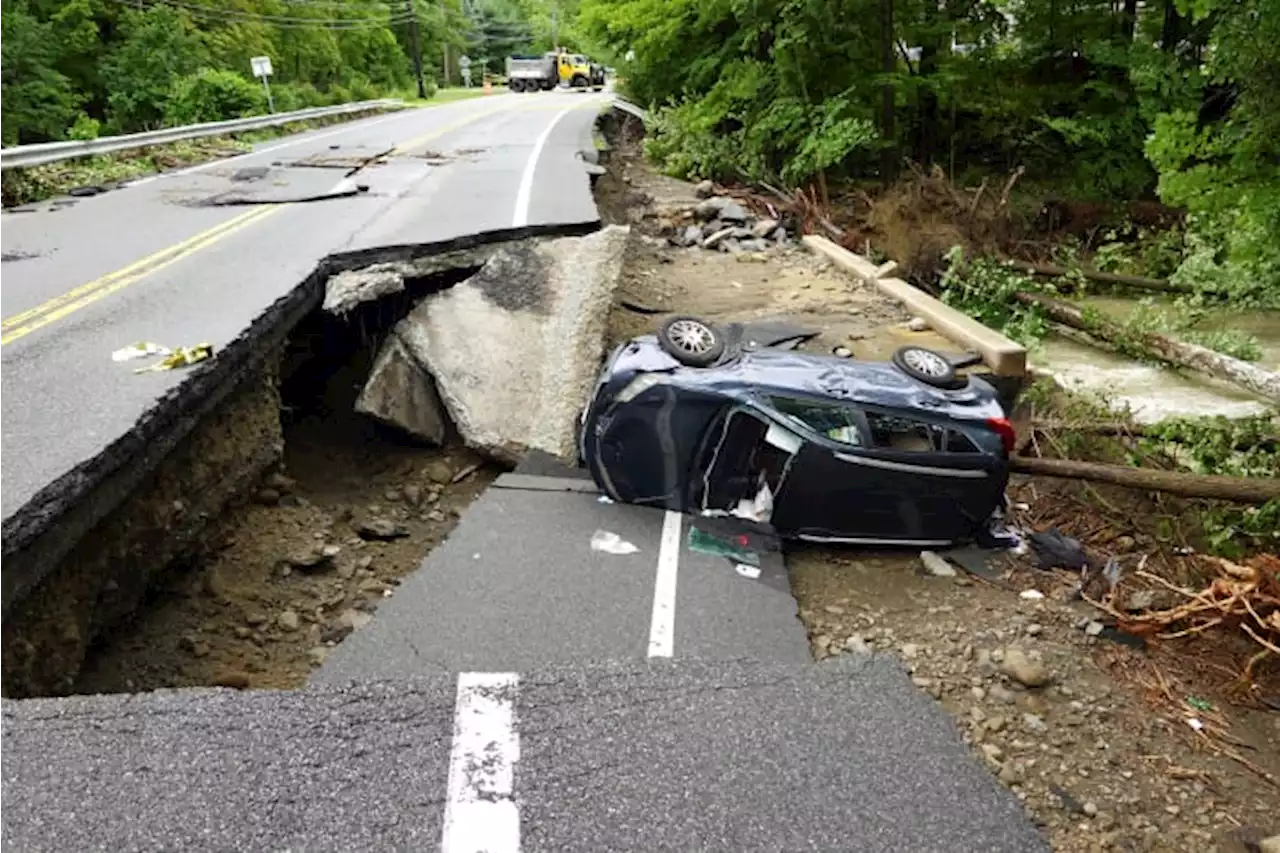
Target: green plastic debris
{"points": [[702, 542], [1199, 704]]}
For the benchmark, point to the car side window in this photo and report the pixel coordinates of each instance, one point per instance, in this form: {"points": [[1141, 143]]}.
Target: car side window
{"points": [[896, 432], [834, 421]]}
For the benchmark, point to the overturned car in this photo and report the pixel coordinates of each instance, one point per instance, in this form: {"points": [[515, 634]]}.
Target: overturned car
{"points": [[821, 448]]}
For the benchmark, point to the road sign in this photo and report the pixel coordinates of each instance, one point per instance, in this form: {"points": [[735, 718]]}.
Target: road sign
{"points": [[466, 77], [464, 62], [261, 66]]}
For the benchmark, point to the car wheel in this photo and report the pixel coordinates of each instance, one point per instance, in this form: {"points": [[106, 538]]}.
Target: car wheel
{"points": [[691, 341], [927, 366]]}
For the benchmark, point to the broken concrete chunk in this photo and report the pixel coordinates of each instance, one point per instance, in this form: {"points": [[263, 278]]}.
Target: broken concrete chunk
{"points": [[734, 212], [348, 289], [515, 348], [400, 393], [382, 529]]}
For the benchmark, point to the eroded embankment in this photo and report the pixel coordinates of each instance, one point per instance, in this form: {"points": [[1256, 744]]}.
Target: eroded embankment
{"points": [[253, 517]]}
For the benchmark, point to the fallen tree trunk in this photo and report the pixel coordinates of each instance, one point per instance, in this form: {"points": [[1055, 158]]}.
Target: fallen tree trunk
{"points": [[1238, 489], [1112, 428], [1264, 383], [1138, 282]]}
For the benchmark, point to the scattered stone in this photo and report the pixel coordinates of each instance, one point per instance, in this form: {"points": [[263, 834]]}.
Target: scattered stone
{"points": [[937, 565], [280, 482], [1094, 628], [715, 239], [312, 560], [317, 655], [992, 752], [1020, 667], [392, 495], [709, 209], [382, 530], [412, 494], [233, 678], [842, 352], [857, 645], [1034, 723], [834, 609], [289, 620], [439, 471], [1090, 809], [255, 619], [733, 212], [704, 189], [1010, 773], [353, 619], [910, 651], [918, 324], [1002, 694]]}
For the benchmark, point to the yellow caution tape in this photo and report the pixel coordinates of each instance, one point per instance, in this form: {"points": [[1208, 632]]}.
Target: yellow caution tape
{"points": [[180, 357]]}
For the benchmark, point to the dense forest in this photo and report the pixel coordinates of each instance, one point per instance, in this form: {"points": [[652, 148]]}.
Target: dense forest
{"points": [[79, 68], [1116, 100]]}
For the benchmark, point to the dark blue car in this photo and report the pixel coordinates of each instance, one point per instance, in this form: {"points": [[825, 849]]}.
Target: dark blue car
{"points": [[820, 448]]}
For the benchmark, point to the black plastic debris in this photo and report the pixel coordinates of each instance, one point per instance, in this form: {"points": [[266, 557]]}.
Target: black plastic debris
{"points": [[1055, 550]]}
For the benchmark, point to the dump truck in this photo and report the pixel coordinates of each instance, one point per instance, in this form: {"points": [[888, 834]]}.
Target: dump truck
{"points": [[555, 68]]}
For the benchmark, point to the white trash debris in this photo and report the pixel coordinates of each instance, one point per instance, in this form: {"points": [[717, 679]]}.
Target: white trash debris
{"points": [[611, 543], [937, 565], [746, 571], [141, 349], [1031, 594]]}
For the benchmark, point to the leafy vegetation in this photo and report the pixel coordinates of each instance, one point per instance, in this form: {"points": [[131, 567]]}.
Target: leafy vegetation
{"points": [[1097, 100], [75, 69]]}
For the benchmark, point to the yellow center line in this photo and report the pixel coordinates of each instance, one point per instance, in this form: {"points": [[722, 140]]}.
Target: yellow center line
{"points": [[25, 322]]}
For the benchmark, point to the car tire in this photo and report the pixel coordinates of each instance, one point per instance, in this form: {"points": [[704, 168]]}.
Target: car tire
{"points": [[515, 85], [691, 341], [927, 366]]}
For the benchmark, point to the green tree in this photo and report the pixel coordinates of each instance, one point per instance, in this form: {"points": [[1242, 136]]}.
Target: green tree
{"points": [[39, 103], [159, 46]]}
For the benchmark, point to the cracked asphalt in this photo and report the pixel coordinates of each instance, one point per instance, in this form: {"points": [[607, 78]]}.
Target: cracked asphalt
{"points": [[724, 755]]}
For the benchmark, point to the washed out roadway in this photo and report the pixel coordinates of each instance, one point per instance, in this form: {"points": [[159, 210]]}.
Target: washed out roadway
{"points": [[64, 400], [522, 690]]}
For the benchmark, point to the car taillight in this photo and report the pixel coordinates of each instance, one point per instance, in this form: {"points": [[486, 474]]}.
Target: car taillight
{"points": [[1004, 429]]}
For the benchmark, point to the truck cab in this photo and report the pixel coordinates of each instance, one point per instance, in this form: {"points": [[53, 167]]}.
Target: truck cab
{"points": [[578, 72]]}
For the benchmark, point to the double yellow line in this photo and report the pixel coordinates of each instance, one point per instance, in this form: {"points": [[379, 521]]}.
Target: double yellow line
{"points": [[26, 322]]}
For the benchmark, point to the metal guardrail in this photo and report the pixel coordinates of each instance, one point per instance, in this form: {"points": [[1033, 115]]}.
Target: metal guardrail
{"points": [[631, 109], [22, 156]]}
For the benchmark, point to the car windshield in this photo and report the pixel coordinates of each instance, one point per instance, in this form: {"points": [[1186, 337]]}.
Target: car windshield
{"points": [[836, 422], [579, 59]]}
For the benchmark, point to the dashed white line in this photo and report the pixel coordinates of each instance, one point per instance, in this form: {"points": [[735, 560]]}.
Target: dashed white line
{"points": [[662, 625], [525, 194], [481, 815]]}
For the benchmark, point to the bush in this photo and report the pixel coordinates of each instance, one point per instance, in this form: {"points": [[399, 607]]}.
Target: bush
{"points": [[213, 95], [299, 96]]}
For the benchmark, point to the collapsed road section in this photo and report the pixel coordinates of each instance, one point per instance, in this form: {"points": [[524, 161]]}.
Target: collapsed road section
{"points": [[386, 383]]}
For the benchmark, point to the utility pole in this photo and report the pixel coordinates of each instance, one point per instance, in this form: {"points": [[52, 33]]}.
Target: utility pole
{"points": [[446, 61], [416, 40]]}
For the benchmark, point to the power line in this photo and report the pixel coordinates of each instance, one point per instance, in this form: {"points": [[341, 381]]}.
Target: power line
{"points": [[285, 21]]}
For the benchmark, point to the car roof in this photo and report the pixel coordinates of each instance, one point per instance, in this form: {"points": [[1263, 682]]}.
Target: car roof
{"points": [[787, 372]]}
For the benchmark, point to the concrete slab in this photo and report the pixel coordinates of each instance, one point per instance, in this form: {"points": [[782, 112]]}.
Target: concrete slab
{"points": [[684, 755], [514, 349]]}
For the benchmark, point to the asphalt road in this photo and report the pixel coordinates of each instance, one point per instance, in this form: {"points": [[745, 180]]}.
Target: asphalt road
{"points": [[149, 262], [641, 756]]}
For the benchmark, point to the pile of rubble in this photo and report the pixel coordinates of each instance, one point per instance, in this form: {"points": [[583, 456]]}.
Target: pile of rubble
{"points": [[720, 223]]}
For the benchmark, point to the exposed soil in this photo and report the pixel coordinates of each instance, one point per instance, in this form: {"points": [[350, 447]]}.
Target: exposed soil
{"points": [[1102, 753]]}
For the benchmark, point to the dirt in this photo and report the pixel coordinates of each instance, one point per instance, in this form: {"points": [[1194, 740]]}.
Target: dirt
{"points": [[253, 615], [1102, 754]]}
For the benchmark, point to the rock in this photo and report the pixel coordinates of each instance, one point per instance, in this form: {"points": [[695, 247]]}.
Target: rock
{"points": [[267, 497], [1010, 773], [936, 565], [712, 227], [514, 349], [1033, 723], [289, 620], [910, 651], [382, 529], [756, 246], [1094, 628], [412, 495], [718, 237], [992, 752], [255, 619], [731, 211], [764, 228], [1269, 845], [842, 352], [401, 393], [233, 678], [918, 324], [709, 209], [857, 645], [439, 471], [349, 288], [834, 609], [704, 189], [317, 655], [1090, 809], [1001, 694], [214, 584], [1018, 666], [393, 495], [312, 560]]}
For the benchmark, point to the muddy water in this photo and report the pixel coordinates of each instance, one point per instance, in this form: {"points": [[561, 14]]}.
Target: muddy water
{"points": [[1155, 393]]}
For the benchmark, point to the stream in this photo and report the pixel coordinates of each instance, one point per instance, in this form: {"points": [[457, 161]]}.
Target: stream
{"points": [[1152, 392]]}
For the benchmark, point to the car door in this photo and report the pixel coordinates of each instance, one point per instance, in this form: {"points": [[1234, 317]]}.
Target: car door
{"points": [[872, 486]]}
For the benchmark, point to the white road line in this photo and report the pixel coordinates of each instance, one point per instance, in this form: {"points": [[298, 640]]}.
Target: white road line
{"points": [[525, 194], [481, 815], [662, 625]]}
